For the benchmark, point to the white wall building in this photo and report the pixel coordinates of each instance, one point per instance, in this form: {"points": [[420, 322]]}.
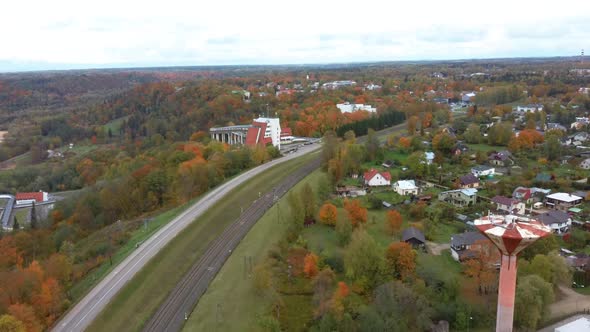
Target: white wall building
{"points": [[406, 187], [530, 108], [350, 108], [273, 130]]}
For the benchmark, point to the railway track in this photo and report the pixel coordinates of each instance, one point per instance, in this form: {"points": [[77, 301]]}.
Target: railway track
{"points": [[172, 314]]}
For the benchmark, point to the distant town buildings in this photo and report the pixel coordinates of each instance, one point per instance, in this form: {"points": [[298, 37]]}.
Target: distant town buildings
{"points": [[338, 84], [529, 108], [351, 108]]}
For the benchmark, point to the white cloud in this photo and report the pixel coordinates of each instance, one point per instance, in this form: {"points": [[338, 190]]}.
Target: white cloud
{"points": [[176, 32]]}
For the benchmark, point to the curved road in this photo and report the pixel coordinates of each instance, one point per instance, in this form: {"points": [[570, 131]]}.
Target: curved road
{"points": [[84, 312]]}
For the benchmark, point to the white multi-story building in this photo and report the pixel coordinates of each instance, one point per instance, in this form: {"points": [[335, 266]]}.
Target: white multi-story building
{"points": [[350, 108], [273, 130]]}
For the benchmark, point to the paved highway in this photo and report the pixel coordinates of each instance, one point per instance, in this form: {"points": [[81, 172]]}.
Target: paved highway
{"points": [[172, 314], [84, 312]]}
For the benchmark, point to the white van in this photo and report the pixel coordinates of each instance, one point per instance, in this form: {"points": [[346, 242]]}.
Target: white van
{"points": [[538, 205]]}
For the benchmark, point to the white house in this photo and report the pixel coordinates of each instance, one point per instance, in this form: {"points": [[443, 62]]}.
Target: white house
{"points": [[559, 221], [483, 170], [406, 187], [510, 205], [562, 201], [374, 178], [350, 108], [429, 157]]}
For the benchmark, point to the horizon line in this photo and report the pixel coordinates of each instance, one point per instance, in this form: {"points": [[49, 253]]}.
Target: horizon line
{"points": [[312, 64]]}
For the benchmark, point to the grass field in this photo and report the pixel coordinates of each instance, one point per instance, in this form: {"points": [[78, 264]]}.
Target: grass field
{"points": [[140, 298], [485, 148], [230, 303], [115, 125]]}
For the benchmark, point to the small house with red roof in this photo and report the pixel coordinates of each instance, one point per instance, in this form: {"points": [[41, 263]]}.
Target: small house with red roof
{"points": [[374, 178], [30, 197]]}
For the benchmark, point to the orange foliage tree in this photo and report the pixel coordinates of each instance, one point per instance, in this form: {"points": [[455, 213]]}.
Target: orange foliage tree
{"points": [[356, 213], [481, 266], [328, 214], [401, 259], [404, 143], [310, 265], [393, 222], [338, 299], [526, 139]]}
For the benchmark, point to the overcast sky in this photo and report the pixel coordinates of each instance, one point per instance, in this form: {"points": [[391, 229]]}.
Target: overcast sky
{"points": [[63, 34]]}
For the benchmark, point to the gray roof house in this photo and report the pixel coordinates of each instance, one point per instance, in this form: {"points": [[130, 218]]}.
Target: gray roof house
{"points": [[414, 237], [559, 221], [462, 243]]}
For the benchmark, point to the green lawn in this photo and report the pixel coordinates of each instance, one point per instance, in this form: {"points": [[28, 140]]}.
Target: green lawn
{"points": [[486, 148], [232, 282], [142, 295], [114, 126]]}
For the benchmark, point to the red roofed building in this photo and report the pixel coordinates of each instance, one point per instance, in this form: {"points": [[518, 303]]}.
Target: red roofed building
{"points": [[285, 132], [375, 178], [28, 198], [256, 134]]}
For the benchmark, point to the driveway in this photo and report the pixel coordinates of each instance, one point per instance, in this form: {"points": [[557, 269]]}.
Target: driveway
{"points": [[437, 248], [570, 302]]}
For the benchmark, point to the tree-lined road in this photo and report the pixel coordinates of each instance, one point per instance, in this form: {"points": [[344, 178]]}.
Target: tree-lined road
{"points": [[84, 312]]}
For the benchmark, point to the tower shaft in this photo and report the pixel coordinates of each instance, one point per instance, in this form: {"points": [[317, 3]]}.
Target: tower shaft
{"points": [[506, 293]]}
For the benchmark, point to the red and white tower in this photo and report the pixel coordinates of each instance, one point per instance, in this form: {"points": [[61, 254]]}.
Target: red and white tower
{"points": [[511, 234]]}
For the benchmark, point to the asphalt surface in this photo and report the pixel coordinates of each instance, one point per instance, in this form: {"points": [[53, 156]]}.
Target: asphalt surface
{"points": [[173, 313], [84, 312]]}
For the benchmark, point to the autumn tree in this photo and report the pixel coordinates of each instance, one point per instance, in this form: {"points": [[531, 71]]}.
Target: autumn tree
{"points": [[363, 260], [401, 260], [322, 291], [473, 134], [343, 231], [356, 213], [26, 314], [308, 202], [412, 124], [404, 143], [296, 211], [416, 162], [338, 298], [329, 147], [372, 145], [393, 222], [533, 297], [328, 214], [481, 266], [10, 324], [443, 142], [310, 265], [500, 133]]}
